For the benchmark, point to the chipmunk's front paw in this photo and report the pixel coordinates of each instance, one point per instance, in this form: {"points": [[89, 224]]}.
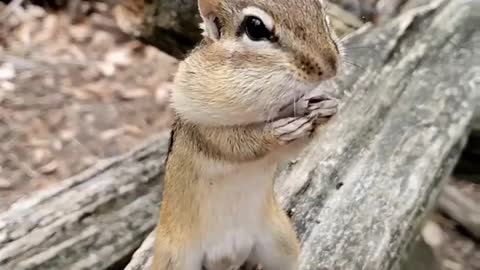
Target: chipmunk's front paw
{"points": [[293, 128], [322, 108], [319, 109]]}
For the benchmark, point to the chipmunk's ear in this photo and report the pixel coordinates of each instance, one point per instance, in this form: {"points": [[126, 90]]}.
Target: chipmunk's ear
{"points": [[211, 24]]}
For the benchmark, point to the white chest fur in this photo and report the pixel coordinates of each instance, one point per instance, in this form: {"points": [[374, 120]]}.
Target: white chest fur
{"points": [[233, 210]]}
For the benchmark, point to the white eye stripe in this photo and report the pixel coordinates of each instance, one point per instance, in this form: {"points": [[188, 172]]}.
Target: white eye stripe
{"points": [[265, 17]]}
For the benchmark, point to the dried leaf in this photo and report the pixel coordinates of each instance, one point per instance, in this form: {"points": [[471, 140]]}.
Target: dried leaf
{"points": [[57, 145], [80, 32], [129, 94], [5, 184], [132, 130], [162, 93], [7, 86], [110, 134], [49, 168], [108, 69], [41, 155], [89, 160], [81, 94], [119, 57], [67, 135], [7, 71], [48, 29]]}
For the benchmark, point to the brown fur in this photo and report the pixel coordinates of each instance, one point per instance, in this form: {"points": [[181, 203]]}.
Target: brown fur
{"points": [[227, 95]]}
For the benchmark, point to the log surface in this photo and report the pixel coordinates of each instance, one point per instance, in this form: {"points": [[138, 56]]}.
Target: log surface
{"points": [[95, 220], [357, 196]]}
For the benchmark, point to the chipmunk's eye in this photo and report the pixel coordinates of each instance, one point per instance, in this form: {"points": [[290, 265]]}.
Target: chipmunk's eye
{"points": [[256, 29]]}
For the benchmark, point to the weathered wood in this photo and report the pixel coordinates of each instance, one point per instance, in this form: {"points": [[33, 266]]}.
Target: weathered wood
{"points": [[172, 26], [93, 221], [358, 195]]}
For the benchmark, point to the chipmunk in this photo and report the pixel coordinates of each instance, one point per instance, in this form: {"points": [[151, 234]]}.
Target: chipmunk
{"points": [[238, 101]]}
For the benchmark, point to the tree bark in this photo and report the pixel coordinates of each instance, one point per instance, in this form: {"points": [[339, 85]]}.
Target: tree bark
{"points": [[95, 220], [172, 26], [357, 196]]}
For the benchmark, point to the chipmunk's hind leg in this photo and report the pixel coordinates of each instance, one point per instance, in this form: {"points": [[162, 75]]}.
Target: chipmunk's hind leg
{"points": [[279, 248], [169, 256]]}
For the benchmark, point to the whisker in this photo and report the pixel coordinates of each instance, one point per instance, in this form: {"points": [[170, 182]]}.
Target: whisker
{"points": [[355, 65], [359, 48]]}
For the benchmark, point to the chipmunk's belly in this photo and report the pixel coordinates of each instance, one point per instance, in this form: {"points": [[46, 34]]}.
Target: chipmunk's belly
{"points": [[228, 251], [234, 214]]}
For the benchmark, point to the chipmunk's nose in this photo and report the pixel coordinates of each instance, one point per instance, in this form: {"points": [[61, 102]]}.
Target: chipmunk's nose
{"points": [[323, 66]]}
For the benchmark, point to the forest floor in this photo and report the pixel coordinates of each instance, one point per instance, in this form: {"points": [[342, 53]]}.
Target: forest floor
{"points": [[73, 94]]}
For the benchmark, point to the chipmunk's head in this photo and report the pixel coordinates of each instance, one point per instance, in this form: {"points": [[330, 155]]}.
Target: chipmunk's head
{"points": [[257, 56]]}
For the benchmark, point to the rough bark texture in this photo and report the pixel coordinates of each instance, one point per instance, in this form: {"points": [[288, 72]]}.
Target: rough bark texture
{"points": [[172, 26], [93, 221], [357, 197]]}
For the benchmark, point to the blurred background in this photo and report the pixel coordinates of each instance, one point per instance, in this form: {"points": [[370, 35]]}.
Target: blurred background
{"points": [[78, 85]]}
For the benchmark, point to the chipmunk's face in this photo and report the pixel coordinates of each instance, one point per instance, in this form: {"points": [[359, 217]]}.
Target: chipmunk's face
{"points": [[258, 56]]}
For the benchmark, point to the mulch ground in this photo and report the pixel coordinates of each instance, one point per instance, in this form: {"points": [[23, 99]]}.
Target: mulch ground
{"points": [[71, 95]]}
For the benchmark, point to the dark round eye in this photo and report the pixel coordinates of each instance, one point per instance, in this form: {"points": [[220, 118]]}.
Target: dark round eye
{"points": [[256, 29]]}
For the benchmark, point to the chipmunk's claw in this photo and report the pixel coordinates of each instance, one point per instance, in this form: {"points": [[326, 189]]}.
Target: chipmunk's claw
{"points": [[323, 109]]}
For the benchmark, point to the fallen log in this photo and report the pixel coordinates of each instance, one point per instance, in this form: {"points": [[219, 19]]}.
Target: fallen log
{"points": [[357, 197], [95, 220]]}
